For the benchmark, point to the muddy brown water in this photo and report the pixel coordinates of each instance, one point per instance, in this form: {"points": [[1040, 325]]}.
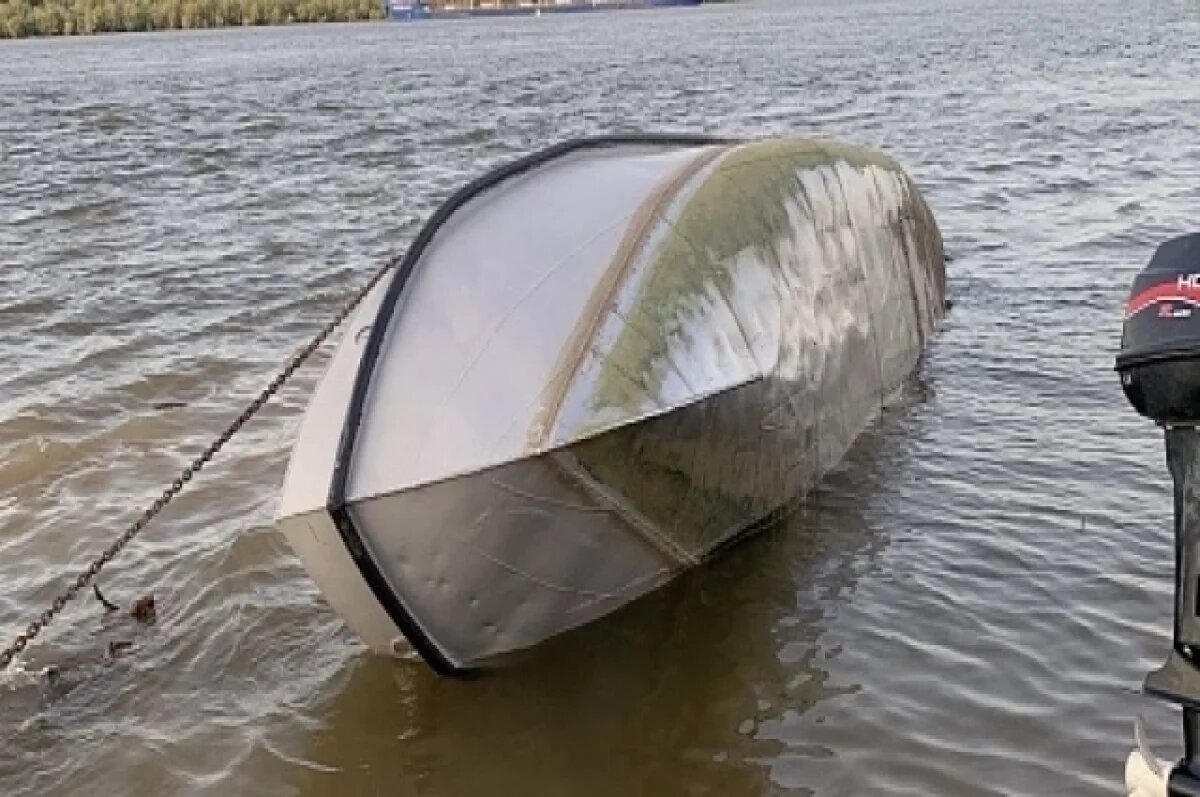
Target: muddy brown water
{"points": [[966, 607]]}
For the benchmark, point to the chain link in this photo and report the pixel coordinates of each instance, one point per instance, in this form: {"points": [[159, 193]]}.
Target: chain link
{"points": [[85, 577]]}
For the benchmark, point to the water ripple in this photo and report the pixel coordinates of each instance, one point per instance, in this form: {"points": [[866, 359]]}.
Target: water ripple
{"points": [[966, 607]]}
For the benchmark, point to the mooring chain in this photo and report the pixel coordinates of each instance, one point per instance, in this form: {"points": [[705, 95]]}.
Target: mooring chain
{"points": [[86, 576]]}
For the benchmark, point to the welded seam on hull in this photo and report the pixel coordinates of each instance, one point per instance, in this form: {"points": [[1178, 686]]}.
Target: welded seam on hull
{"points": [[862, 270], [554, 269], [530, 577], [831, 185], [354, 540], [870, 170], [761, 373], [636, 583], [583, 336], [737, 528], [569, 466], [543, 499], [590, 596], [910, 197], [783, 292], [629, 322], [829, 163]]}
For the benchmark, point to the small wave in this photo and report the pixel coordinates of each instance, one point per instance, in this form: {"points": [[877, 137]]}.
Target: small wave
{"points": [[16, 676], [31, 461]]}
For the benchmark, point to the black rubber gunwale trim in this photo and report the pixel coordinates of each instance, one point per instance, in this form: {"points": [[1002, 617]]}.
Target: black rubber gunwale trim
{"points": [[335, 504]]}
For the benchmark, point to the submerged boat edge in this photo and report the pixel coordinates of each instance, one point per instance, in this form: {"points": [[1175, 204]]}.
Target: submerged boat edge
{"points": [[350, 581]]}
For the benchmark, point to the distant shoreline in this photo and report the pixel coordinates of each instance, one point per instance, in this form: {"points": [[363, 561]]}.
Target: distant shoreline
{"points": [[28, 18], [21, 19]]}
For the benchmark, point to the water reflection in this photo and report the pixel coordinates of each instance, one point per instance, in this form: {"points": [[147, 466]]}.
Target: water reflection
{"points": [[676, 694], [950, 583]]}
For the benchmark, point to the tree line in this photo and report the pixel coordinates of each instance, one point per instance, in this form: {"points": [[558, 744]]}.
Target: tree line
{"points": [[71, 17]]}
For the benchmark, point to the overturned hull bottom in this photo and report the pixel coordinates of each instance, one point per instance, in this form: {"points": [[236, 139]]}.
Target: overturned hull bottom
{"points": [[594, 367], [492, 562]]}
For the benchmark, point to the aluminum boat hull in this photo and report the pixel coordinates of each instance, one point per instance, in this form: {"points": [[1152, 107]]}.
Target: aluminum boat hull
{"points": [[595, 367]]}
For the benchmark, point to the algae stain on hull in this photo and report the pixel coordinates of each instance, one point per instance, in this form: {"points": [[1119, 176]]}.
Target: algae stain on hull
{"points": [[840, 245], [662, 383]]}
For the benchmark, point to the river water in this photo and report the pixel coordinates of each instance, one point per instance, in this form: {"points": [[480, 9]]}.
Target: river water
{"points": [[966, 607]]}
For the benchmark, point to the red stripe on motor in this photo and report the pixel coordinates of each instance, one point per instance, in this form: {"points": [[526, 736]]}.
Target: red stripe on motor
{"points": [[1164, 291]]}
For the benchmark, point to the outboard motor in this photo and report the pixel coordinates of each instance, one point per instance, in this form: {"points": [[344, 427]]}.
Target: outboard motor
{"points": [[1159, 364]]}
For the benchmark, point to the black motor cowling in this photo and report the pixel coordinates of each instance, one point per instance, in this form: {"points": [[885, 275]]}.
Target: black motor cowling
{"points": [[1159, 365], [1159, 359]]}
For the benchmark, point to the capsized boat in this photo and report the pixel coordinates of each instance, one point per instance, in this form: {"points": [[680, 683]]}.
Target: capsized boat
{"points": [[596, 366]]}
